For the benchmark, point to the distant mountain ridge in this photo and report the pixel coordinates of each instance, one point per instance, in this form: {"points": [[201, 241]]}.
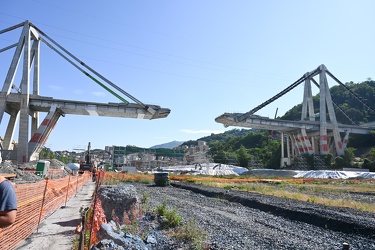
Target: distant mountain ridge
{"points": [[169, 145]]}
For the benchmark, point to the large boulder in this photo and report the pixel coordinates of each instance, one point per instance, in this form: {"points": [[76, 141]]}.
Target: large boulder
{"points": [[118, 199]]}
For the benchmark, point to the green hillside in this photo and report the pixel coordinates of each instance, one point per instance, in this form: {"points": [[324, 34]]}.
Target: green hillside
{"points": [[346, 102]]}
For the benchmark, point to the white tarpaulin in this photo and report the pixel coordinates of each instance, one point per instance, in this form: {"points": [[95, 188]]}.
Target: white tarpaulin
{"points": [[333, 174], [206, 169], [73, 166]]}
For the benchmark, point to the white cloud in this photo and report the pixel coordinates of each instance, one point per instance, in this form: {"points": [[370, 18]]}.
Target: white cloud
{"points": [[203, 131]]}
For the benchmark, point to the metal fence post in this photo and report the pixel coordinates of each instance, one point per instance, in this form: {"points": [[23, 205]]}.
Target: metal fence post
{"points": [[77, 185], [41, 209], [67, 191]]}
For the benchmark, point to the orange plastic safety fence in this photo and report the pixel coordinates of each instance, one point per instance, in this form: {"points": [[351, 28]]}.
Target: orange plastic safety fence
{"points": [[36, 201], [97, 217]]}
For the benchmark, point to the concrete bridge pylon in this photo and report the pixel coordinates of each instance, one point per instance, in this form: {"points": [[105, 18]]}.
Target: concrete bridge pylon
{"points": [[23, 103], [309, 135]]}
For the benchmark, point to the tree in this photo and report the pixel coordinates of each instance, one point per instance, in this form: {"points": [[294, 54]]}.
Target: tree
{"points": [[345, 161], [349, 155], [243, 157], [220, 157], [46, 153]]}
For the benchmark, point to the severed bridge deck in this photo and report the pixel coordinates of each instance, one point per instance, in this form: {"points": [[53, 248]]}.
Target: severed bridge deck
{"points": [[259, 122], [23, 103]]}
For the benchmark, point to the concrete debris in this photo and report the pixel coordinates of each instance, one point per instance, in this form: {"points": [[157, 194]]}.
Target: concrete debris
{"points": [[118, 199], [117, 239], [116, 202], [106, 244], [25, 174]]}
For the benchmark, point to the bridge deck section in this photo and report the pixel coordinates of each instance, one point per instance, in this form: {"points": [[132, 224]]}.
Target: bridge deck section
{"points": [[258, 122]]}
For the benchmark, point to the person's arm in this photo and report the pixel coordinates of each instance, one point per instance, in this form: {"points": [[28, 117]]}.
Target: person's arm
{"points": [[8, 203], [7, 218]]}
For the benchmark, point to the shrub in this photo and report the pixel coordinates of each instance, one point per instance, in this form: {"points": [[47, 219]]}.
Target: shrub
{"points": [[173, 219], [192, 234], [161, 209]]}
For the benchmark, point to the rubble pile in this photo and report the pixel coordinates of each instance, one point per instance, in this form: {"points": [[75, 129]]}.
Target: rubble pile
{"points": [[118, 199], [119, 204], [24, 171]]}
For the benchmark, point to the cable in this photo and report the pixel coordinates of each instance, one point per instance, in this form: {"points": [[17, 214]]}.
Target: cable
{"points": [[89, 68], [292, 86], [176, 56], [336, 105], [354, 94]]}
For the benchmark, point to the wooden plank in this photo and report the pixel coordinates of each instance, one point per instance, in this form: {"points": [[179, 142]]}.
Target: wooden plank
{"points": [[8, 176]]}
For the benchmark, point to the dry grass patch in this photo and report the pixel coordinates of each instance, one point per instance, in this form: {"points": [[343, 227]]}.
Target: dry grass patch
{"points": [[287, 188], [309, 190]]}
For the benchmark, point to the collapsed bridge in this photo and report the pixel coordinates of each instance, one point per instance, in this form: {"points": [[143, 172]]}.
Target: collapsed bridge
{"points": [[308, 135], [22, 102]]}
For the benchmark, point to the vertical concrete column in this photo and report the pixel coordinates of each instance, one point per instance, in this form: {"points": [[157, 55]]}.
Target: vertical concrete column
{"points": [[301, 145], [307, 104], [307, 142], [35, 91], [288, 147], [332, 117], [8, 83], [282, 145], [23, 136], [9, 133], [323, 141], [345, 140], [292, 145], [296, 144], [282, 151], [324, 88], [305, 98]]}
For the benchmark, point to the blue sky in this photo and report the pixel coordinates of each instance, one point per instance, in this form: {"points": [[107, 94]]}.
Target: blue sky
{"points": [[198, 58]]}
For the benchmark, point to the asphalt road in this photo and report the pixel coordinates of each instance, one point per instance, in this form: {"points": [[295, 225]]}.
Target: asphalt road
{"points": [[58, 230]]}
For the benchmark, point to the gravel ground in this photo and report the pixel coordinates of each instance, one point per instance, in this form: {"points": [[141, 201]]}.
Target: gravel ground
{"points": [[242, 220]]}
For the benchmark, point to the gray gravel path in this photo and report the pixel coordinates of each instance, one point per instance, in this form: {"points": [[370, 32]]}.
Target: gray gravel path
{"points": [[253, 221]]}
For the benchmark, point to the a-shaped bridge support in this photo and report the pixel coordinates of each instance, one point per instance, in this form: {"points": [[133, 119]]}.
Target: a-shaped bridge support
{"points": [[306, 136], [20, 104]]}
